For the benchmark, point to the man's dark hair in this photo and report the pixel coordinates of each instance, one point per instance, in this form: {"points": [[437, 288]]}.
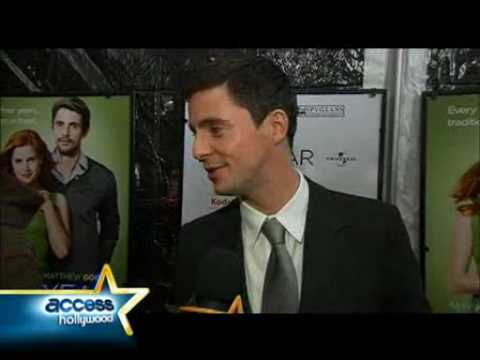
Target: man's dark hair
{"points": [[256, 83], [74, 104]]}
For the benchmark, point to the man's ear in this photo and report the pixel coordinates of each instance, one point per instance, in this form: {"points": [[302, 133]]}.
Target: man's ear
{"points": [[279, 123], [84, 133]]}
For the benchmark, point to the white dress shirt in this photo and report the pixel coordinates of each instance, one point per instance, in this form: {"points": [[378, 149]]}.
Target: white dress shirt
{"points": [[79, 169], [256, 248]]}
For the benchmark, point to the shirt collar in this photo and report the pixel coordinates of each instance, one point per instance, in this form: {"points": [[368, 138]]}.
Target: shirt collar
{"points": [[292, 215], [252, 220], [80, 167]]}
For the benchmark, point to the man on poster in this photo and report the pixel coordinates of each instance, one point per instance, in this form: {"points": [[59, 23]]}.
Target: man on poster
{"points": [[90, 189]]}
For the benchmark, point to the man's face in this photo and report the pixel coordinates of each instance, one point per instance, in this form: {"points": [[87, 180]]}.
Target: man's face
{"points": [[228, 143], [26, 165], [67, 127]]}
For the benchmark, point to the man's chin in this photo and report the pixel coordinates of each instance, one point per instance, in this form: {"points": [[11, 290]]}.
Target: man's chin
{"points": [[67, 151], [223, 191]]}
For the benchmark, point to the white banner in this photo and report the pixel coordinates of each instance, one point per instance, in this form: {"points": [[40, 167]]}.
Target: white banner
{"points": [[337, 144]]}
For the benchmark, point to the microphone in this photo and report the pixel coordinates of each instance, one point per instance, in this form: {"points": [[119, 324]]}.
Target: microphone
{"points": [[218, 284]]}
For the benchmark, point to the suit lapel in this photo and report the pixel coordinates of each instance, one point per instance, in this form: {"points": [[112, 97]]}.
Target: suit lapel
{"points": [[230, 238], [319, 291]]}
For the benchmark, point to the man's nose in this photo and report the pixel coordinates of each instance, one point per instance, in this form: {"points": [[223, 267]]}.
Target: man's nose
{"points": [[201, 147], [63, 131]]}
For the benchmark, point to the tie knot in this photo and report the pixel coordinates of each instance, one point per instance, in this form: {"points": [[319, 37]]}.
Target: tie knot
{"points": [[274, 231]]}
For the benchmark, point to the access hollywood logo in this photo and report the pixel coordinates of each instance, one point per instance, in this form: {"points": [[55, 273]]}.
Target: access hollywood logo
{"points": [[341, 159], [105, 304], [77, 315], [322, 111], [81, 312]]}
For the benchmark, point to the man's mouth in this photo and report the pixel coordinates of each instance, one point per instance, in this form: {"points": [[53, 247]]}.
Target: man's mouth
{"points": [[212, 169]]}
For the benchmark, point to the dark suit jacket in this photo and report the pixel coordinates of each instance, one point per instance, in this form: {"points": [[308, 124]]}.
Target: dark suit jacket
{"points": [[357, 256]]}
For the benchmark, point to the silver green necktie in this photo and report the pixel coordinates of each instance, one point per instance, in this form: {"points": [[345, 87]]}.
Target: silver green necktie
{"points": [[280, 290]]}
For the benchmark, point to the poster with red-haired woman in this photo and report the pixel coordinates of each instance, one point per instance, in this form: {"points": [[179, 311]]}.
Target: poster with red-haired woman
{"points": [[451, 201], [74, 154]]}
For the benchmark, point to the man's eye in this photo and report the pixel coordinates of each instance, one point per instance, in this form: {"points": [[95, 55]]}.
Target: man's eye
{"points": [[216, 130]]}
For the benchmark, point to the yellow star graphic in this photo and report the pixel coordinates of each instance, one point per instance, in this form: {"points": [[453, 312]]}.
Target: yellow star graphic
{"points": [[235, 308], [139, 294], [106, 273]]}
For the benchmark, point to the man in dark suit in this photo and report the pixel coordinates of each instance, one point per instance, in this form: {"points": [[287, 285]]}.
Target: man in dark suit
{"points": [[303, 248]]}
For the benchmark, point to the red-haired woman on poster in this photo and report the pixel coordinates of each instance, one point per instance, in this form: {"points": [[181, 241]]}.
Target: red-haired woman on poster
{"points": [[26, 157], [463, 277]]}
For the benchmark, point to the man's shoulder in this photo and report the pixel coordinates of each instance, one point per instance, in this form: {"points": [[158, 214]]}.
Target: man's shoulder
{"points": [[99, 169], [215, 219], [358, 201], [362, 207], [204, 232]]}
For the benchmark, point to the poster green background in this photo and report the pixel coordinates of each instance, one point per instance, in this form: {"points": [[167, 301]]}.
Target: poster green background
{"points": [[108, 142], [450, 151]]}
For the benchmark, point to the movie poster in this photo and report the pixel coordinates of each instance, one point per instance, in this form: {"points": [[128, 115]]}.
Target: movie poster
{"points": [[90, 174], [340, 140], [451, 181], [339, 143]]}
